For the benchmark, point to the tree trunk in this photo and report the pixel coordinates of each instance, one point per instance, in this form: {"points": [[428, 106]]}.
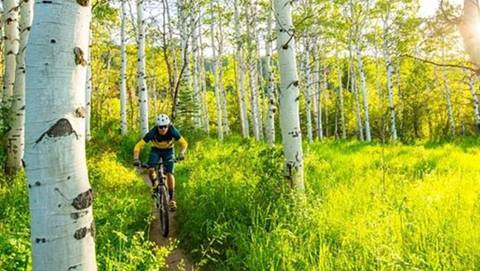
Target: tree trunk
{"points": [[252, 49], [476, 107], [326, 98], [240, 74], [11, 40], [16, 137], [88, 96], [123, 72], [142, 86], [201, 60], [307, 92], [361, 71], [270, 84], [358, 116], [215, 75], [226, 128], [317, 104], [341, 101], [62, 227], [468, 27], [289, 108], [388, 63]]}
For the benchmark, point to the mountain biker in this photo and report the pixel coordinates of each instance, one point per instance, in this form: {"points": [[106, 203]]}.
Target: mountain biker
{"points": [[163, 136]]}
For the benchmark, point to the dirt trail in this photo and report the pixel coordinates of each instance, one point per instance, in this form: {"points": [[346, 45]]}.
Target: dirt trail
{"points": [[177, 259]]}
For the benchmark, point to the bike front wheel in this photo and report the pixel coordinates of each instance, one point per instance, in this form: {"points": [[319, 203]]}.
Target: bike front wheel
{"points": [[163, 211]]}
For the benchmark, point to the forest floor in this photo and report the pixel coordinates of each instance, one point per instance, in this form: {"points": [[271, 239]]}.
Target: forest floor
{"points": [[177, 259]]}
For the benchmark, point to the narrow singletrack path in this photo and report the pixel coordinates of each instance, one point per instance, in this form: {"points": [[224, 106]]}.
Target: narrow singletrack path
{"points": [[177, 259]]}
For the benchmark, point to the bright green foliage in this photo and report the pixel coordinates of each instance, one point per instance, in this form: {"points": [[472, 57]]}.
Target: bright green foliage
{"points": [[122, 217], [14, 224], [122, 209], [367, 207]]}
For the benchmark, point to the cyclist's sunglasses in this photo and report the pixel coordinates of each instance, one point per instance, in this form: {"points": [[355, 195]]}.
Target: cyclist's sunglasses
{"points": [[162, 127]]}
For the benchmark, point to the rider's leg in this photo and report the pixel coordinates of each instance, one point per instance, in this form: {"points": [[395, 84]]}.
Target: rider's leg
{"points": [[151, 175], [171, 185], [152, 161]]}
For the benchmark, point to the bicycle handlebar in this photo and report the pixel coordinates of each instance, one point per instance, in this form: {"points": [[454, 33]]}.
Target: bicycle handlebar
{"points": [[143, 165]]}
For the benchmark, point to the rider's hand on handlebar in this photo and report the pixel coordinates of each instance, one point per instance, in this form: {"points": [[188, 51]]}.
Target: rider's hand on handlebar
{"points": [[136, 163], [180, 157]]}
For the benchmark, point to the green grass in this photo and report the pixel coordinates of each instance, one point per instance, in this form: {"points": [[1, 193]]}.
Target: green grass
{"points": [[367, 207], [122, 212]]}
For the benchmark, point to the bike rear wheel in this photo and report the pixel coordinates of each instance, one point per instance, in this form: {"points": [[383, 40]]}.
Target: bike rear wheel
{"points": [[163, 211]]}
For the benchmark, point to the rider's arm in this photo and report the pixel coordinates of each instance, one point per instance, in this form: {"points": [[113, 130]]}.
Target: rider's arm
{"points": [[183, 144], [138, 148]]}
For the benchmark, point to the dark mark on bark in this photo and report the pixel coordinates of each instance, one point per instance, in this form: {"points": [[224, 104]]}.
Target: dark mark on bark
{"points": [[80, 112], [61, 128], [79, 58], [37, 183], [83, 200], [73, 267], [40, 240], [77, 215], [80, 233], [294, 133], [93, 230], [82, 3]]}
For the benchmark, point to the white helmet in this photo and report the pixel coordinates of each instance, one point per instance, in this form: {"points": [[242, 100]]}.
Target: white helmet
{"points": [[162, 120]]}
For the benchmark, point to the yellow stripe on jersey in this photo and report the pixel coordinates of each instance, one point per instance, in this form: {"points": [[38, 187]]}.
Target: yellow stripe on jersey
{"points": [[163, 144]]}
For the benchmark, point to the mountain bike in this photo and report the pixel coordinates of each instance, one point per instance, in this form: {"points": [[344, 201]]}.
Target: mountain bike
{"points": [[160, 196]]}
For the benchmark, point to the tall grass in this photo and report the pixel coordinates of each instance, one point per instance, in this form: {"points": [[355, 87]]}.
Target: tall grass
{"points": [[367, 207], [122, 212]]}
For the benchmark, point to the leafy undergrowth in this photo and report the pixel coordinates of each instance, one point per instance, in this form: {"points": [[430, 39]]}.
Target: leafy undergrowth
{"points": [[122, 210], [367, 207]]}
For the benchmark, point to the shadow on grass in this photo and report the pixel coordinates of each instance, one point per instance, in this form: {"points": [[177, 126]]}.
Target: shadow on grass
{"points": [[464, 143]]}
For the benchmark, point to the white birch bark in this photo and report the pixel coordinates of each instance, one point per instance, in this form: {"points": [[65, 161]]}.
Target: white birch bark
{"points": [[289, 107], [258, 70], [326, 97], [341, 100], [469, 29], [141, 74], [240, 74], [203, 80], [354, 87], [476, 107], [16, 136], [308, 91], [88, 91], [317, 105], [270, 85], [388, 63], [198, 119], [196, 85], [123, 71], [361, 71], [215, 75], [223, 94], [62, 227], [11, 43], [252, 49]]}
